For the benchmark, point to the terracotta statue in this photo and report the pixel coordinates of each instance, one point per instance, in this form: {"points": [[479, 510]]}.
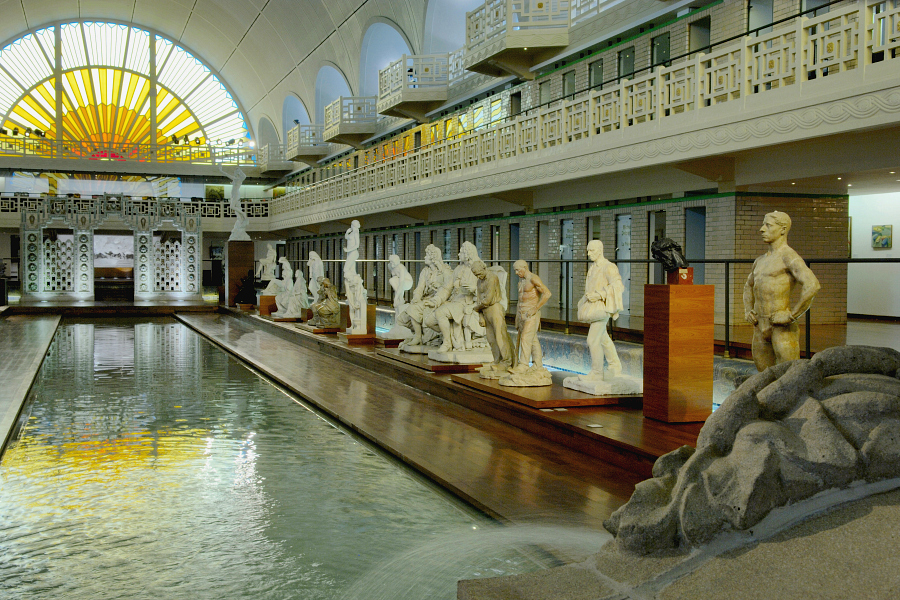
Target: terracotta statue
{"points": [[326, 309], [533, 295], [602, 300], [490, 306], [432, 280], [767, 295]]}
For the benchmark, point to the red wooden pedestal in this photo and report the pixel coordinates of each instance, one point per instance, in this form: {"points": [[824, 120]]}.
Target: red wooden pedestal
{"points": [[678, 352]]}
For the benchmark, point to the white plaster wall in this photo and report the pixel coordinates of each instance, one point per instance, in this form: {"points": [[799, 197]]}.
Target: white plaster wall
{"points": [[873, 289]]}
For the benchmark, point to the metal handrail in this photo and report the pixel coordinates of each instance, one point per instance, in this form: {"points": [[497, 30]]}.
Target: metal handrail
{"points": [[566, 271]]}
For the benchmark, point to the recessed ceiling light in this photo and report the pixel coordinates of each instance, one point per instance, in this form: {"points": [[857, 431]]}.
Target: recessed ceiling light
{"points": [[849, 185], [839, 178], [792, 183], [891, 172]]}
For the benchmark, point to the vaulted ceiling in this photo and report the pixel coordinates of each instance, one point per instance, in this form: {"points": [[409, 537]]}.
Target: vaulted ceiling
{"points": [[263, 49]]}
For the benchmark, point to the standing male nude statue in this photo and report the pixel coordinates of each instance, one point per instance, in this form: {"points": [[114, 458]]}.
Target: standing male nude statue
{"points": [[767, 295]]}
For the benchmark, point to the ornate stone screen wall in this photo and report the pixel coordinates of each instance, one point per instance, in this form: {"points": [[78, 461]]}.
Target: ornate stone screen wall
{"points": [[65, 268]]}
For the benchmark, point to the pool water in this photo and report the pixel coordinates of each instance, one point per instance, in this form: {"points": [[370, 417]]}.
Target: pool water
{"points": [[149, 463]]}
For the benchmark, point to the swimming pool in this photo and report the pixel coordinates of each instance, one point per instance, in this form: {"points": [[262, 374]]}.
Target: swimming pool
{"points": [[151, 463]]}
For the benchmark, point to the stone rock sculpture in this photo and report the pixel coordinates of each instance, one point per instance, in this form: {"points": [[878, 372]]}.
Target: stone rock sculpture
{"points": [[784, 435], [266, 268], [669, 253], [533, 295], [401, 281], [454, 316], [357, 297], [432, 279], [326, 309], [602, 299], [490, 306], [316, 270], [767, 295]]}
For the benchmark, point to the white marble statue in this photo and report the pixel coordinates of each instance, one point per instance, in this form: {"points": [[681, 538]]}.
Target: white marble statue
{"points": [[316, 270], [277, 287], [462, 335], [432, 279], [602, 299], [767, 295], [533, 295], [401, 281], [357, 297], [351, 250], [293, 304], [239, 231], [265, 270]]}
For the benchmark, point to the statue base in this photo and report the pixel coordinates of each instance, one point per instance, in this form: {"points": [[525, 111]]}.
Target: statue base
{"points": [[318, 328], [494, 371], [238, 262], [534, 376], [357, 339], [423, 362], [545, 397], [420, 349], [622, 385], [246, 307], [266, 304], [463, 357]]}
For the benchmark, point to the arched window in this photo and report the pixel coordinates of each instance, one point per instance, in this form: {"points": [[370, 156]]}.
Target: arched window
{"points": [[381, 45], [116, 87], [330, 85]]}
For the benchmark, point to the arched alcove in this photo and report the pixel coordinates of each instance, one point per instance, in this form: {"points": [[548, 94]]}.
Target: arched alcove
{"points": [[382, 44], [330, 84], [445, 24], [266, 132], [293, 113]]}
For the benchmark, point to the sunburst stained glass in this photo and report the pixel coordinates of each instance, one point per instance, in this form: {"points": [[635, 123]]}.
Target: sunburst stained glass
{"points": [[103, 98]]}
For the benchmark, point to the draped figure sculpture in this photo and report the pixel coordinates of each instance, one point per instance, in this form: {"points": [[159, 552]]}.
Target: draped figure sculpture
{"points": [[351, 250], [292, 304], [239, 231], [767, 295], [316, 270], [432, 279], [602, 300], [266, 268], [326, 309], [357, 297]]}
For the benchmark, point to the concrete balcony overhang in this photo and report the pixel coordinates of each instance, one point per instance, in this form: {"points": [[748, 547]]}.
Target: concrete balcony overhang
{"points": [[506, 37], [306, 144], [351, 120], [413, 86]]}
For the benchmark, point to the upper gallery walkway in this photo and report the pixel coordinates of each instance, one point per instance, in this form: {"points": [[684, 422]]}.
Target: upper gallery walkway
{"points": [[829, 77]]}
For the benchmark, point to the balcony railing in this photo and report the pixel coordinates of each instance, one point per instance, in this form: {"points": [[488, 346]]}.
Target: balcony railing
{"points": [[11, 146], [413, 85], [306, 143], [13, 204], [349, 120], [834, 43], [272, 158], [496, 19]]}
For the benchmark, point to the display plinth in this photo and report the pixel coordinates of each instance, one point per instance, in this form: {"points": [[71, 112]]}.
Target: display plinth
{"points": [[238, 262], [317, 329], [678, 352], [357, 339], [267, 305], [385, 342], [423, 362], [681, 276], [547, 396]]}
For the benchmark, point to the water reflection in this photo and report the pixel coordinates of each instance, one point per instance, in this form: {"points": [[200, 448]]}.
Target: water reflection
{"points": [[152, 464]]}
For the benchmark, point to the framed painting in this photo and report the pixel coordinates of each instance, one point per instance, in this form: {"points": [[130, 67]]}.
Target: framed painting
{"points": [[881, 236]]}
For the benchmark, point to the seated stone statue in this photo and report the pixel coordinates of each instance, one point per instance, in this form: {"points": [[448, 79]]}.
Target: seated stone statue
{"points": [[357, 297], [285, 287], [326, 309], [454, 313], [293, 304], [669, 253], [432, 279]]}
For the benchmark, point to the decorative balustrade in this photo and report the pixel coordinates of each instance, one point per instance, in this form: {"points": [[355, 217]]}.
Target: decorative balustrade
{"points": [[457, 72], [256, 208], [145, 153], [840, 41], [413, 85], [272, 158], [305, 142], [583, 10]]}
